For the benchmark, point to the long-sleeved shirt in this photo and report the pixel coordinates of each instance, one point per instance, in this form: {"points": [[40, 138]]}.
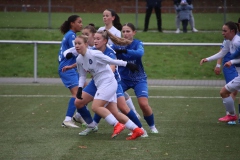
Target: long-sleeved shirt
{"points": [[97, 64]]}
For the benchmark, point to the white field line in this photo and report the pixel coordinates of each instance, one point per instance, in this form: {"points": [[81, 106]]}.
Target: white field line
{"points": [[58, 96]]}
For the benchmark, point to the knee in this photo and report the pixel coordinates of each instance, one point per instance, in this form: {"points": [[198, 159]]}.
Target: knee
{"points": [[224, 94], [78, 103]]}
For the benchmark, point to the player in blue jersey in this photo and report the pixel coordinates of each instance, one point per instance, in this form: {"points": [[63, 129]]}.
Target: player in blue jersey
{"points": [[137, 81], [69, 78], [88, 31], [232, 45]]}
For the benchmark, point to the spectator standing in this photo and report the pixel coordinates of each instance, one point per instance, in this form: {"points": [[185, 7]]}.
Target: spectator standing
{"points": [[156, 4], [177, 20], [184, 14]]}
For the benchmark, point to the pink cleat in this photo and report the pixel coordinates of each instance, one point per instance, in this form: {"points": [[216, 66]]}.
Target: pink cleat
{"points": [[228, 118]]}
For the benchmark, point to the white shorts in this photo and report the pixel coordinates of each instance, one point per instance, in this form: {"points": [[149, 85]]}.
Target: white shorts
{"points": [[233, 85], [107, 91]]}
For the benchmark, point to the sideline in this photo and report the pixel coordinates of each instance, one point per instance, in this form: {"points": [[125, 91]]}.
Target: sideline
{"points": [[151, 82]]}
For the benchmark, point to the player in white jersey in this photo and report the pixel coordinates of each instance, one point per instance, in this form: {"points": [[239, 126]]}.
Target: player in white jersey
{"points": [[97, 64], [232, 45], [114, 26]]}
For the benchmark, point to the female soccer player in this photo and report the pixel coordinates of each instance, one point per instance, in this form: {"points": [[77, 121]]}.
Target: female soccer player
{"points": [[97, 64], [69, 78], [138, 80], [114, 26], [232, 45]]}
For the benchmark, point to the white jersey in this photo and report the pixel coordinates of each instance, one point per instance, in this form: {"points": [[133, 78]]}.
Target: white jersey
{"points": [[112, 30], [97, 64], [228, 46]]}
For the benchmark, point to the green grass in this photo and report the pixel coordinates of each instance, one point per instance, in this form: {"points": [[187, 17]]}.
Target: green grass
{"points": [[161, 62], [32, 115], [204, 21]]}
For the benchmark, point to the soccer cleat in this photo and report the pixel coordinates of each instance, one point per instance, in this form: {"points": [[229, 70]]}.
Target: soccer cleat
{"points": [[80, 120], [231, 123], [137, 132], [177, 31], [117, 129], [228, 118], [143, 136], [69, 124], [88, 130], [194, 30], [153, 130]]}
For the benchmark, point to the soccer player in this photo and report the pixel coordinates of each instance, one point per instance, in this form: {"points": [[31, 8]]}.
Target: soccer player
{"points": [[232, 45], [137, 81], [69, 78], [114, 26], [97, 64]]}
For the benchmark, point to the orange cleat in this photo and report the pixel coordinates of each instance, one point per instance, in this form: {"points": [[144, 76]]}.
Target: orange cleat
{"points": [[137, 132], [117, 129]]}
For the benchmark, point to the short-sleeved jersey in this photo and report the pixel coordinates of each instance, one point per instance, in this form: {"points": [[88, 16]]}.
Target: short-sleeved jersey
{"points": [[134, 54], [112, 30], [97, 64], [67, 42]]}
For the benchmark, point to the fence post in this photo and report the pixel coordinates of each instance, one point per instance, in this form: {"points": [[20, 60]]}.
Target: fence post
{"points": [[35, 62]]}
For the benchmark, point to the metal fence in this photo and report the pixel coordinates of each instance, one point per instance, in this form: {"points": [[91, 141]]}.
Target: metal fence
{"points": [[35, 44]]}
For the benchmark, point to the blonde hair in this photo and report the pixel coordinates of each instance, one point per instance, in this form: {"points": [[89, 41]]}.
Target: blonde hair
{"points": [[117, 40], [83, 37]]}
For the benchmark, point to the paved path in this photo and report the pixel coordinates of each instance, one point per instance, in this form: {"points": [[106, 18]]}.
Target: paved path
{"points": [[217, 83]]}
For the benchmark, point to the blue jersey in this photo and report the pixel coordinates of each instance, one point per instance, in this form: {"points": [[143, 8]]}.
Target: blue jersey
{"points": [[111, 53], [231, 72], [67, 42], [134, 54]]}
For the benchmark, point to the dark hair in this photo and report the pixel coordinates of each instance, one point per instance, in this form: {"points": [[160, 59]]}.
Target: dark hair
{"points": [[91, 27], [116, 22], [65, 27], [130, 25], [232, 26]]}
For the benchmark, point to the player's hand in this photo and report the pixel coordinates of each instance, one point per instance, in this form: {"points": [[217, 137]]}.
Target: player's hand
{"points": [[132, 67], [217, 70], [79, 93], [228, 64], [120, 51], [69, 55], [203, 61], [65, 68]]}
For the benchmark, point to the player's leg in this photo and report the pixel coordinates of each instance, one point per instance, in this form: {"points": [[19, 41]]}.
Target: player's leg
{"points": [[141, 91], [130, 104], [70, 80]]}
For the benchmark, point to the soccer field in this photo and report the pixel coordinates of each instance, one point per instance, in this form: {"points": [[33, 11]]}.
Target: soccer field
{"points": [[186, 117]]}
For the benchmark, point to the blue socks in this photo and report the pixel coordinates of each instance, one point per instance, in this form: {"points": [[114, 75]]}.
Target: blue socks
{"points": [[131, 115], [71, 107], [86, 115], [150, 120], [96, 118]]}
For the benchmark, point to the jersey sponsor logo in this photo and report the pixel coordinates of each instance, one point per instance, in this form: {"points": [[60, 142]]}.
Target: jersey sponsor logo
{"points": [[90, 61]]}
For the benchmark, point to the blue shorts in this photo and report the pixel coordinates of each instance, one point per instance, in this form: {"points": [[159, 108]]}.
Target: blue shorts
{"points": [[69, 78], [229, 73], [140, 88], [92, 89]]}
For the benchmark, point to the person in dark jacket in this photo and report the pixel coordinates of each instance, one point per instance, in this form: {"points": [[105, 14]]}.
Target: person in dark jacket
{"points": [[156, 4]]}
